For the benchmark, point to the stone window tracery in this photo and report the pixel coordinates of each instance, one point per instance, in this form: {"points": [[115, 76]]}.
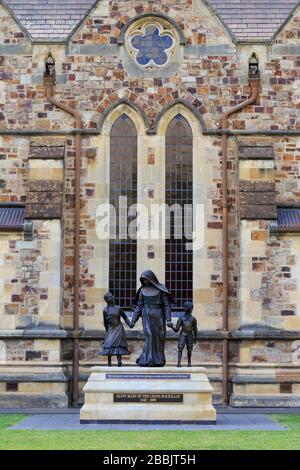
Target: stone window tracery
{"points": [[152, 43], [179, 190], [123, 182], [152, 46]]}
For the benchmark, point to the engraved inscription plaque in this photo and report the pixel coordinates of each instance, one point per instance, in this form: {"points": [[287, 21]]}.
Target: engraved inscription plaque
{"points": [[149, 376], [148, 397]]}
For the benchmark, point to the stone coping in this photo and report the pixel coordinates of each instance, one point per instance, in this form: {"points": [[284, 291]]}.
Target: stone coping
{"points": [[221, 409], [146, 370], [247, 333]]}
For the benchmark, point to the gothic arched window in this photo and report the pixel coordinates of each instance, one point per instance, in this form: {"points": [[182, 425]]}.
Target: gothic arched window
{"points": [[179, 190], [123, 182]]}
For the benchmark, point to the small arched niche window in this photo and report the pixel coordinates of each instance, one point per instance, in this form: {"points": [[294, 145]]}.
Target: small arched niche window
{"points": [[253, 66], [179, 191], [123, 182], [50, 66]]}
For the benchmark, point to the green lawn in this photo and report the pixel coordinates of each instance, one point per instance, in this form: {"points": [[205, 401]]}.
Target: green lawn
{"points": [[151, 440]]}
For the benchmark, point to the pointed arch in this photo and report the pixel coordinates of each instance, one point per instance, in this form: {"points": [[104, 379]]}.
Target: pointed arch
{"points": [[122, 183], [179, 193], [152, 15], [253, 64], [121, 106], [178, 107]]}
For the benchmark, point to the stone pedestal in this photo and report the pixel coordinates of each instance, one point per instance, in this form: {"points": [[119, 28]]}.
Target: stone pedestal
{"points": [[148, 395]]}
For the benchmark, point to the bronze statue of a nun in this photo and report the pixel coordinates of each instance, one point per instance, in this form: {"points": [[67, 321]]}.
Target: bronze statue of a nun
{"points": [[153, 304]]}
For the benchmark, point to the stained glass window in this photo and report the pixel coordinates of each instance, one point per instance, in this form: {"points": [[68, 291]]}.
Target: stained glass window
{"points": [[152, 46], [123, 182], [179, 190]]}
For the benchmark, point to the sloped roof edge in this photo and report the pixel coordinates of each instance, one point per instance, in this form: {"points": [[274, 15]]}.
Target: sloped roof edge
{"points": [[82, 20], [62, 32], [218, 17], [285, 23], [255, 20], [19, 24]]}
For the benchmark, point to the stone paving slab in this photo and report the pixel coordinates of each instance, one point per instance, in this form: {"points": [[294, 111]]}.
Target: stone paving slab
{"points": [[225, 422], [220, 409]]}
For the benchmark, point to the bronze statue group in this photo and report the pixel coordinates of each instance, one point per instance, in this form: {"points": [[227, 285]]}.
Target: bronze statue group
{"points": [[153, 304]]}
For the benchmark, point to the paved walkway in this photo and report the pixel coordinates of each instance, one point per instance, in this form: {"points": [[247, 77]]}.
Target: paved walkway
{"points": [[220, 410], [225, 422]]}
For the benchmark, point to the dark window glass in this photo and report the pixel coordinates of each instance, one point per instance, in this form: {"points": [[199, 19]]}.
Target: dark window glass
{"points": [[179, 190], [123, 182], [12, 386]]}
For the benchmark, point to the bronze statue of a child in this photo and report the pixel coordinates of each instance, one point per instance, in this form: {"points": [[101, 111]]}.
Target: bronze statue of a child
{"points": [[187, 324], [115, 343]]}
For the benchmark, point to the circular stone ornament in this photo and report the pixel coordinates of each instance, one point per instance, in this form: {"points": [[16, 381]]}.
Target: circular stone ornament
{"points": [[152, 43]]}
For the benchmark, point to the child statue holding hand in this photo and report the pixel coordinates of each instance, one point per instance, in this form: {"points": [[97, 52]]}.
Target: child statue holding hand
{"points": [[115, 343], [187, 324]]}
